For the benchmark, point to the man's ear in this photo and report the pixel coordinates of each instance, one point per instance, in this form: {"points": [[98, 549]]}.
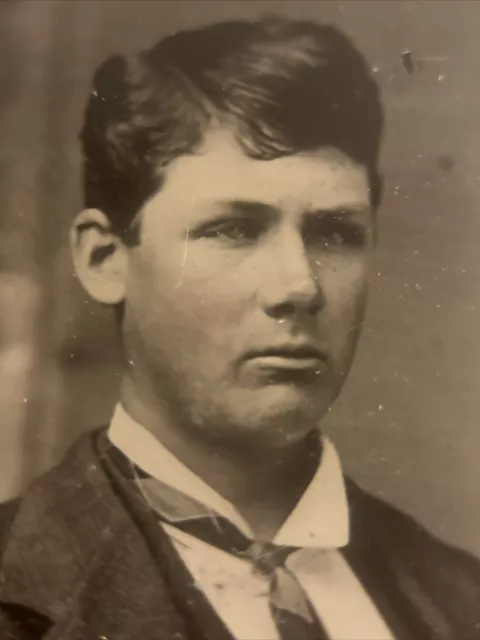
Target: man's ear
{"points": [[99, 256]]}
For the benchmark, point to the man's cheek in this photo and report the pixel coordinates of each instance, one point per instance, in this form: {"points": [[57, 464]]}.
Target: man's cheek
{"points": [[346, 307], [214, 316], [348, 286], [343, 299], [222, 318], [216, 299]]}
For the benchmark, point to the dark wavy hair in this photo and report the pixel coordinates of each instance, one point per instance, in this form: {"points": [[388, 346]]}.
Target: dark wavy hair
{"points": [[283, 86]]}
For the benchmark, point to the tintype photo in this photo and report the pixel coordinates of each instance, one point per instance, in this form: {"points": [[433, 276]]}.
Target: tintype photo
{"points": [[240, 320]]}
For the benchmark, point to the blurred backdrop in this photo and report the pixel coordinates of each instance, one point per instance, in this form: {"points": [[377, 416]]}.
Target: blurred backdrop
{"points": [[407, 422]]}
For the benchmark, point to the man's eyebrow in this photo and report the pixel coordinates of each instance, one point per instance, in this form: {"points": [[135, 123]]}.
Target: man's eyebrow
{"points": [[258, 208], [249, 208], [342, 211]]}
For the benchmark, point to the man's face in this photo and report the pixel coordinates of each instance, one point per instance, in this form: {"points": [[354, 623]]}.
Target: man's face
{"points": [[247, 288]]}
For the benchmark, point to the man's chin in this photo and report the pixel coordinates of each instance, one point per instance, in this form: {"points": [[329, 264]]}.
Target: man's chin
{"points": [[280, 419], [266, 417], [292, 400]]}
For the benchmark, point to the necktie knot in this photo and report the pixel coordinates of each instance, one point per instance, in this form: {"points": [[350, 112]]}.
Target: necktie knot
{"points": [[266, 556]]}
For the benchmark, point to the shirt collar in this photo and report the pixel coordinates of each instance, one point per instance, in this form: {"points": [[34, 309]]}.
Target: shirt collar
{"points": [[319, 519]]}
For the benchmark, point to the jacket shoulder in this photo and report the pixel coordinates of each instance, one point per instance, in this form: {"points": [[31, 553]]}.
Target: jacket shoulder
{"points": [[438, 580], [76, 559], [75, 495], [403, 534], [57, 522]]}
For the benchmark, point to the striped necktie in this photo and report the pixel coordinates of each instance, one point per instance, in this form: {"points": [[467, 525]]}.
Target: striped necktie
{"points": [[291, 610]]}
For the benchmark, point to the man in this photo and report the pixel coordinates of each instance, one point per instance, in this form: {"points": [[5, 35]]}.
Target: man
{"points": [[231, 189]]}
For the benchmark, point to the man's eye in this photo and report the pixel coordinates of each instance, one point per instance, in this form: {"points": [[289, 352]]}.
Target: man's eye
{"points": [[239, 230], [337, 235]]}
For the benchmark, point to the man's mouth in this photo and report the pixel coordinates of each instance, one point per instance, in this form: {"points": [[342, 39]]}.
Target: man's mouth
{"points": [[290, 357]]}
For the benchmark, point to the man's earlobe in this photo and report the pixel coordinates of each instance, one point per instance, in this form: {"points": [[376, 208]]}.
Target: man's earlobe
{"points": [[99, 256]]}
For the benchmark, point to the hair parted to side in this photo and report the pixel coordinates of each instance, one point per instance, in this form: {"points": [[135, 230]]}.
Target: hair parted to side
{"points": [[284, 86]]}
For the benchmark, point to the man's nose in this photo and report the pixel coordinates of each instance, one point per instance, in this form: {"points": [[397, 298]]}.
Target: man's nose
{"points": [[293, 287]]}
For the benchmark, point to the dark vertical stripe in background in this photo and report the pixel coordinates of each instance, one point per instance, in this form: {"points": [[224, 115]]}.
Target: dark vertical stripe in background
{"points": [[407, 421]]}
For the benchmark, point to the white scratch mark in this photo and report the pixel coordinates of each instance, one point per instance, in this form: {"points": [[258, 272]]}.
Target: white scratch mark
{"points": [[184, 260]]}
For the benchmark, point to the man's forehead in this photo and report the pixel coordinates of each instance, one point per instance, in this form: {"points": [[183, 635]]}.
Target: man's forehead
{"points": [[220, 170]]}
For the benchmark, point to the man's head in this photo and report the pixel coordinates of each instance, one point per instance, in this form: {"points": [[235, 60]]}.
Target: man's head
{"points": [[230, 187]]}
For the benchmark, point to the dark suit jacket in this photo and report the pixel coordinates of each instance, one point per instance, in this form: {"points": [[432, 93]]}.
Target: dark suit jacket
{"points": [[83, 559]]}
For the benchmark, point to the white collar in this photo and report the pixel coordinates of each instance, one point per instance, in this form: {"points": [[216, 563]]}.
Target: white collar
{"points": [[319, 519]]}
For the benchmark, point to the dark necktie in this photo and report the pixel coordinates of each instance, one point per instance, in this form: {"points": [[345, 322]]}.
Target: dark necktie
{"points": [[292, 612]]}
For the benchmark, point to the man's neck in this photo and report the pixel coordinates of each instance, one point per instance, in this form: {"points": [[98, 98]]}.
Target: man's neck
{"points": [[264, 485]]}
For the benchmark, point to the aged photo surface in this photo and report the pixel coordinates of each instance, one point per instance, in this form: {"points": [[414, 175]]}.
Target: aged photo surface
{"points": [[240, 320]]}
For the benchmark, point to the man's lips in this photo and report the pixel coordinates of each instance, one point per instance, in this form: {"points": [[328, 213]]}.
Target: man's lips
{"points": [[290, 357]]}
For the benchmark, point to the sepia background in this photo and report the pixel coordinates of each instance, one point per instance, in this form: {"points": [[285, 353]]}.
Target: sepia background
{"points": [[407, 422]]}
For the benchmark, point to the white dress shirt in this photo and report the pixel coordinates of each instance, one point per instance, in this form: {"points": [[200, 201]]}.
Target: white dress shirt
{"points": [[319, 525]]}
